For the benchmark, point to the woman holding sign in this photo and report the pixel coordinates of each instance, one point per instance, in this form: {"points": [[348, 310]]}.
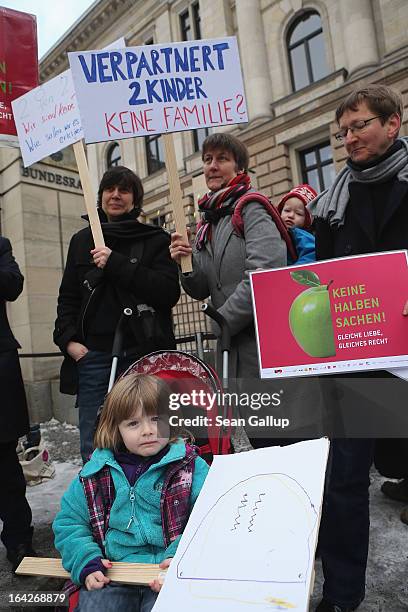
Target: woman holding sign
{"points": [[221, 257], [130, 283], [239, 233]]}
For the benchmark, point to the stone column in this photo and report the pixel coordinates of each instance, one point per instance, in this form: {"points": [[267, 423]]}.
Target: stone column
{"points": [[216, 19], [359, 35], [254, 58], [128, 151], [40, 210], [92, 155]]}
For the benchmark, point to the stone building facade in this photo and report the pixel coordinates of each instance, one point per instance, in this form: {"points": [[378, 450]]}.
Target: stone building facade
{"points": [[299, 58]]}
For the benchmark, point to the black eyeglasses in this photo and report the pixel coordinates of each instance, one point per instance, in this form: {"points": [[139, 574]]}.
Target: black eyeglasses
{"points": [[357, 126]]}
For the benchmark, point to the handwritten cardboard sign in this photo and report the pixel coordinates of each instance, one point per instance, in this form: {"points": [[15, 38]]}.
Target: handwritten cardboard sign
{"points": [[18, 65], [156, 89], [334, 316], [47, 118]]}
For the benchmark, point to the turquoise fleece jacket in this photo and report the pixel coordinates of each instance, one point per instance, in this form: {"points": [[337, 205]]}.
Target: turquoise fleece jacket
{"points": [[142, 540]]}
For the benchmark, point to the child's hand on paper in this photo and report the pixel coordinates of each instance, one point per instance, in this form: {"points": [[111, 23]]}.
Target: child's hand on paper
{"points": [[405, 309], [97, 580], [157, 584]]}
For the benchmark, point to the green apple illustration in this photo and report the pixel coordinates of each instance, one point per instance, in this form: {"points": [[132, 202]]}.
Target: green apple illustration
{"points": [[310, 317]]}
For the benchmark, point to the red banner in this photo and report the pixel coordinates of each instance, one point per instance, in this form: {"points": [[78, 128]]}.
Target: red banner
{"points": [[18, 63]]}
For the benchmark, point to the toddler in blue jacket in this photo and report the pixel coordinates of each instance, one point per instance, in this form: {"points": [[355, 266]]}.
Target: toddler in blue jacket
{"points": [[131, 500], [297, 218]]}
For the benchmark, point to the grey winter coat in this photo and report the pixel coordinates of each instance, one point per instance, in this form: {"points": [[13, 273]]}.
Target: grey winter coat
{"points": [[221, 272]]}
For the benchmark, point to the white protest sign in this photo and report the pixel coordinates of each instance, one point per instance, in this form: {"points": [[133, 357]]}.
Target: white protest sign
{"points": [[47, 118], [251, 538], [140, 91]]}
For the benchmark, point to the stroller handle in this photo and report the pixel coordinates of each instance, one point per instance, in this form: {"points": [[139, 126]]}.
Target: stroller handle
{"points": [[117, 345], [211, 312], [118, 338]]}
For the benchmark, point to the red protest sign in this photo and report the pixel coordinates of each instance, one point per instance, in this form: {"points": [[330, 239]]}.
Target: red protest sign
{"points": [[18, 63], [341, 315]]}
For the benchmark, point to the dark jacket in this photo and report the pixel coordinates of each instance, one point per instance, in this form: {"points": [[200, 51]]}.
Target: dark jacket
{"points": [[13, 407], [91, 301], [11, 285], [367, 230], [359, 234]]}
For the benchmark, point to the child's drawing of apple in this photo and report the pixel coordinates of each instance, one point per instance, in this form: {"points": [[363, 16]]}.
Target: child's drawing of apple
{"points": [[310, 318]]}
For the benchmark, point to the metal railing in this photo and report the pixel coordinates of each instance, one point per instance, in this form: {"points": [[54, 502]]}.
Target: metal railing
{"points": [[201, 344]]}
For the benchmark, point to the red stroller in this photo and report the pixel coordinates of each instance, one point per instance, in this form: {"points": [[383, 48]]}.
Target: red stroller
{"points": [[185, 373]]}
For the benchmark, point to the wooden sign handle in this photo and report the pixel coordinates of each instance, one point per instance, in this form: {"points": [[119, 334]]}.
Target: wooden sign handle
{"points": [[126, 573], [89, 195], [176, 196]]}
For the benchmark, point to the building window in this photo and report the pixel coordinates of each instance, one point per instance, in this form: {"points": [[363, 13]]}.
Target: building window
{"points": [[154, 153], [198, 138], [317, 166], [159, 220], [195, 9], [113, 156], [190, 23], [307, 56]]}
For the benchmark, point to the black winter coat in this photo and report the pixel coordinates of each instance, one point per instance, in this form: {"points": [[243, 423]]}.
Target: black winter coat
{"points": [[91, 301], [359, 236], [13, 407]]}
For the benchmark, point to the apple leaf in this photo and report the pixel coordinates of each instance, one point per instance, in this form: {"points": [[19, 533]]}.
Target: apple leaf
{"points": [[306, 277]]}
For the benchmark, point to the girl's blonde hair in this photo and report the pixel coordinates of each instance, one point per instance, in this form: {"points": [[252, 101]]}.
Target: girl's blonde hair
{"points": [[129, 394]]}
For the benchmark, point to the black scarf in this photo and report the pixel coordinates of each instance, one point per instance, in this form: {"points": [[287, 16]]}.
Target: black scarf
{"points": [[125, 227]]}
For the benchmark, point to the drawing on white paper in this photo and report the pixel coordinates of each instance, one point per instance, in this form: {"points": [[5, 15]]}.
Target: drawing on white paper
{"points": [[265, 526], [250, 541]]}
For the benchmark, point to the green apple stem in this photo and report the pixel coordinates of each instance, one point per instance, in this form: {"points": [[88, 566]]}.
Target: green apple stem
{"points": [[328, 284]]}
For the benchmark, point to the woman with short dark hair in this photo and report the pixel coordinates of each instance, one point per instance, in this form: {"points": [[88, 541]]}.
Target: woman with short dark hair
{"points": [[227, 142], [223, 257], [234, 239], [125, 179], [133, 270]]}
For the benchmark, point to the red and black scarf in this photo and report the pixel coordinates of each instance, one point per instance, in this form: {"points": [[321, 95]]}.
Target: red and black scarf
{"points": [[218, 204]]}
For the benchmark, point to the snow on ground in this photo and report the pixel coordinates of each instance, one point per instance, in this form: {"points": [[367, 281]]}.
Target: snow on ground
{"points": [[44, 499], [387, 589], [387, 586], [62, 442]]}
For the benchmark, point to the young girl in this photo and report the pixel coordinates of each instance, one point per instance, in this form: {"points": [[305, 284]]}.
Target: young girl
{"points": [[153, 478], [293, 210]]}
